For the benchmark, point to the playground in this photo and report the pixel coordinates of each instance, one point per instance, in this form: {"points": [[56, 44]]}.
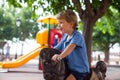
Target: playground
{"points": [[45, 38], [27, 67]]}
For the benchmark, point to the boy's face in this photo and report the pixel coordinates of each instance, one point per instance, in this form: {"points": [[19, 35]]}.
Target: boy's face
{"points": [[64, 26]]}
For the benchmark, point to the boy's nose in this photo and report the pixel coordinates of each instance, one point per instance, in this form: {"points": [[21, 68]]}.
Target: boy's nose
{"points": [[58, 27]]}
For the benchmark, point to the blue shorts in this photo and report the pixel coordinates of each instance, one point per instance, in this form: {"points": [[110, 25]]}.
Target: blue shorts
{"points": [[79, 76]]}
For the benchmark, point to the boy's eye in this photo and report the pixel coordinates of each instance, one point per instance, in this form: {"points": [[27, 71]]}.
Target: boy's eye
{"points": [[59, 24]]}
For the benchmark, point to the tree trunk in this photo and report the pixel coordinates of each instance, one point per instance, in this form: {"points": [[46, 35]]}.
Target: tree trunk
{"points": [[88, 17], [87, 32], [106, 59], [2, 46]]}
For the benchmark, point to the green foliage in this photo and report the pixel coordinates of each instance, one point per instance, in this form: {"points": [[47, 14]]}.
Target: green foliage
{"points": [[8, 33], [15, 3], [28, 28], [8, 28], [56, 6], [96, 3], [1, 17], [116, 4], [105, 26], [80, 28], [107, 31]]}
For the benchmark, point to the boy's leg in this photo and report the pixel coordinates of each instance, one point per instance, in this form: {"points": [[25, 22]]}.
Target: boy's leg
{"points": [[71, 77]]}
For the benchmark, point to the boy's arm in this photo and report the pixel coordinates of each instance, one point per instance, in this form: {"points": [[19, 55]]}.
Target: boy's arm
{"points": [[65, 53], [67, 50]]}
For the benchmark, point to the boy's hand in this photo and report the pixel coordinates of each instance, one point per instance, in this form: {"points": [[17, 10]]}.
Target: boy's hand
{"points": [[56, 57]]}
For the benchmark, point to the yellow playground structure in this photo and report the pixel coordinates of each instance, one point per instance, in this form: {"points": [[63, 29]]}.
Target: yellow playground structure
{"points": [[44, 37]]}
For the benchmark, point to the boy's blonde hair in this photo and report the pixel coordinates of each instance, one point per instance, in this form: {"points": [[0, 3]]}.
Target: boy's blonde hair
{"points": [[69, 16]]}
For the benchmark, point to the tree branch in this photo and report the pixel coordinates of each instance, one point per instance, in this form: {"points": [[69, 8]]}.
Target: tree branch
{"points": [[78, 6], [103, 7], [88, 6]]}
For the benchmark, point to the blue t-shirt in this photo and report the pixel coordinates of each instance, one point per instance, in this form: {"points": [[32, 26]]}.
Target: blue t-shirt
{"points": [[77, 60]]}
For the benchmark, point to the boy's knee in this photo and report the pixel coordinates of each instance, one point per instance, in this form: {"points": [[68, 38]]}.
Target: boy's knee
{"points": [[71, 77]]}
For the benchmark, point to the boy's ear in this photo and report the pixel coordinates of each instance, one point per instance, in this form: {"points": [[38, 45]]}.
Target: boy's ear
{"points": [[72, 24]]}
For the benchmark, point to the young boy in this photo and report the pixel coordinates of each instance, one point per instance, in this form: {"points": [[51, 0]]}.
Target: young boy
{"points": [[72, 46]]}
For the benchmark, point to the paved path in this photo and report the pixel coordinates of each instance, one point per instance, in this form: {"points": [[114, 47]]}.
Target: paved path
{"points": [[113, 73], [30, 71]]}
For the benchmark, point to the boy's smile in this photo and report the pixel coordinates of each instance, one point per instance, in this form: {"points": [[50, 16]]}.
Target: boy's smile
{"points": [[65, 26]]}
